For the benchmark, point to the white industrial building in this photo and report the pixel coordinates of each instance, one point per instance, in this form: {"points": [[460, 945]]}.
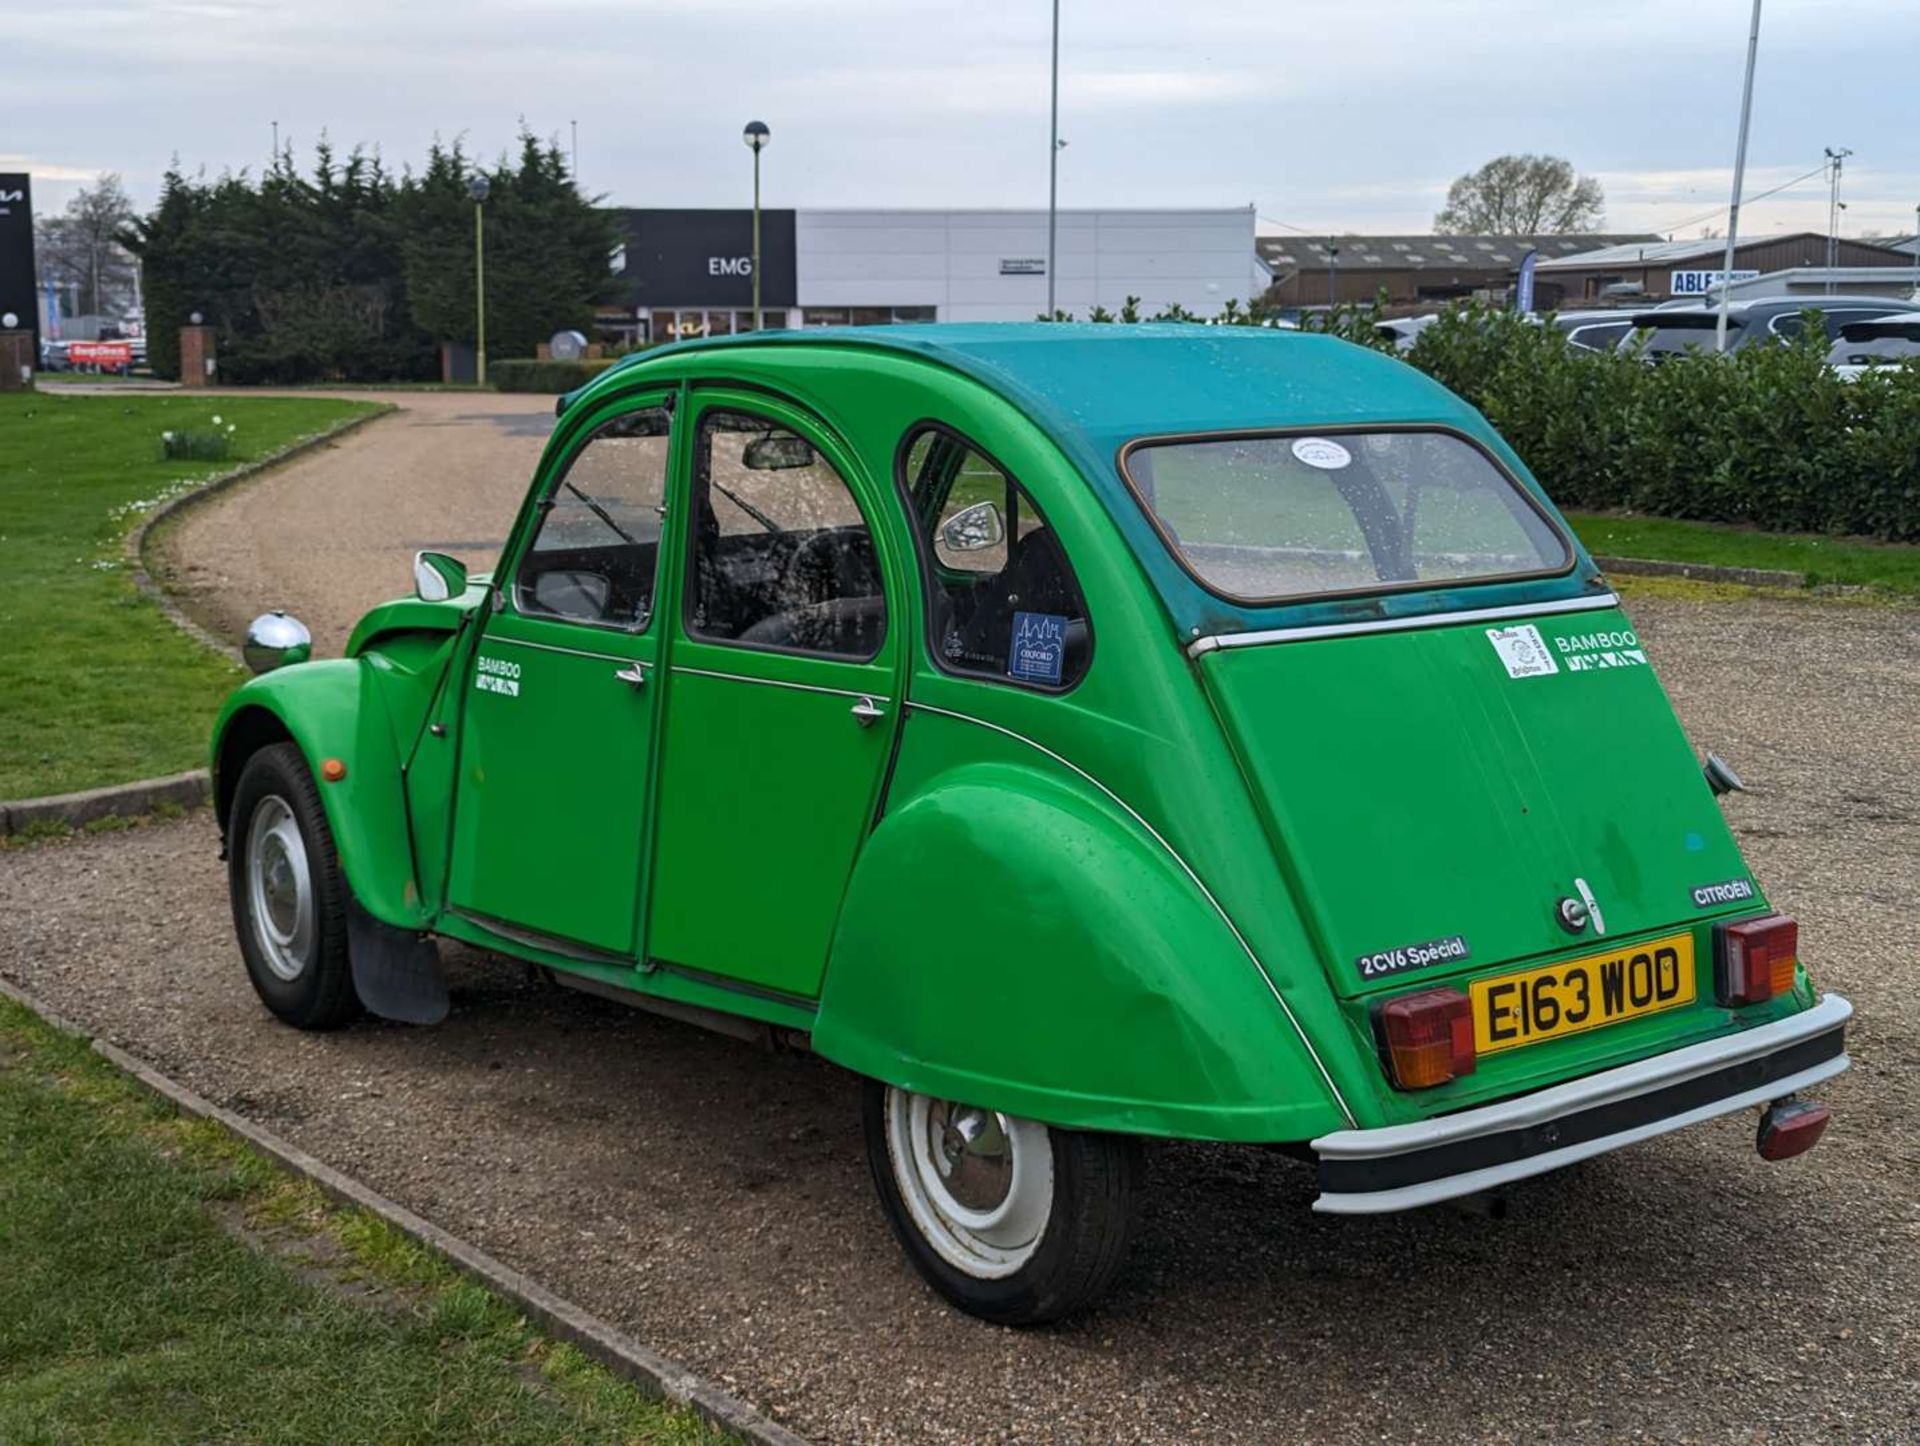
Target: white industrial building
{"points": [[851, 265], [685, 273]]}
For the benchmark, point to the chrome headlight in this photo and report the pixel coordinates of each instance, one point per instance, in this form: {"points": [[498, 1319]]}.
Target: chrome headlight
{"points": [[275, 639]]}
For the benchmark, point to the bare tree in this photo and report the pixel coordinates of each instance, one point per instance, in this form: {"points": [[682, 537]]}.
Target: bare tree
{"points": [[80, 249], [1522, 196]]}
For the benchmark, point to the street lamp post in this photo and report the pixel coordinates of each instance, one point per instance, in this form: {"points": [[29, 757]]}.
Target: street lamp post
{"points": [[758, 138], [478, 188], [1053, 172], [1739, 176]]}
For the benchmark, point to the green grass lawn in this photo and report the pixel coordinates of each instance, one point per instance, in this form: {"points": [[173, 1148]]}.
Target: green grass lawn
{"points": [[1852, 561], [96, 686], [130, 1312]]}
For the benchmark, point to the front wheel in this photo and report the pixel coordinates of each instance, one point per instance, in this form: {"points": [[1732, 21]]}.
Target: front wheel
{"points": [[289, 900], [1010, 1220]]}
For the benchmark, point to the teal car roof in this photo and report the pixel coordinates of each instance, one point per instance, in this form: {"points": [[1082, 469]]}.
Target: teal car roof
{"points": [[1094, 387]]}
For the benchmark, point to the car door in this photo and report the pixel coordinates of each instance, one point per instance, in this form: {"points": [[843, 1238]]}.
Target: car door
{"points": [[782, 701], [556, 746]]}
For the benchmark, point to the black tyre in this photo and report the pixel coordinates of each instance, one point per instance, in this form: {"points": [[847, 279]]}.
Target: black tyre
{"points": [[1010, 1220], [289, 900]]}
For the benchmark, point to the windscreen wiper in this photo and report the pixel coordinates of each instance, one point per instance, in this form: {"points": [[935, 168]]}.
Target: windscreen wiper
{"points": [[745, 506], [604, 515]]}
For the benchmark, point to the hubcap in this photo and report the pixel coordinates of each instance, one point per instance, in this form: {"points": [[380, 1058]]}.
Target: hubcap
{"points": [[978, 1184], [279, 888]]}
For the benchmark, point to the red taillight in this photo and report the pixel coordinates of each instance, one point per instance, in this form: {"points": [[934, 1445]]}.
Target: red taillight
{"points": [[1753, 960], [1789, 1128], [1426, 1038]]}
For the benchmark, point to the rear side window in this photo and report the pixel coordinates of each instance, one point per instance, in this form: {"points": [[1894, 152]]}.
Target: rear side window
{"points": [[1002, 599], [1276, 518]]}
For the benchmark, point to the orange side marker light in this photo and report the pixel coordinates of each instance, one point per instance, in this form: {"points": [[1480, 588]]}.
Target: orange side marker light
{"points": [[333, 770]]}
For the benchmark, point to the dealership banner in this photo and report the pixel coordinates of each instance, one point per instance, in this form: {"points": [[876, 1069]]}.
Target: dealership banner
{"points": [[1523, 293], [100, 353], [19, 292]]}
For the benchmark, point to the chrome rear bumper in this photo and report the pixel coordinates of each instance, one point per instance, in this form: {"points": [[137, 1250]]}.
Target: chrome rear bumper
{"points": [[1401, 1167]]}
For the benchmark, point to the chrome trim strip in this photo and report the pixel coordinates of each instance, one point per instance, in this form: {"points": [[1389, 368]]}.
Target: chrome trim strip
{"points": [[1589, 1092], [1185, 868], [855, 693], [1215, 641], [569, 652]]}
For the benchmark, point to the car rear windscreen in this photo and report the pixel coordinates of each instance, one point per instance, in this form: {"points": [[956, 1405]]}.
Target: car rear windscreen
{"points": [[1291, 516], [1876, 344]]}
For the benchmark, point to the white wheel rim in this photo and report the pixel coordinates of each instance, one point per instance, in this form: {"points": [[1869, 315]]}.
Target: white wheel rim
{"points": [[279, 888], [977, 1184]]}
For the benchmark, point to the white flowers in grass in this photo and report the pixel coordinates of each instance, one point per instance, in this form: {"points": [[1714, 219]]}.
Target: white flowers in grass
{"points": [[216, 419]]}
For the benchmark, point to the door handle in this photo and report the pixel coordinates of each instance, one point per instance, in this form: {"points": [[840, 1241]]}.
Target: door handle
{"points": [[866, 711], [632, 674]]}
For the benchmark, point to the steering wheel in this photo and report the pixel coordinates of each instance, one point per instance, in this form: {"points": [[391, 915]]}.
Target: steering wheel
{"points": [[812, 574]]}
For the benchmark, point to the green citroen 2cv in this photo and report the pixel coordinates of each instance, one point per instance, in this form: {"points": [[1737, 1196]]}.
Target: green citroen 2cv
{"points": [[1081, 733]]}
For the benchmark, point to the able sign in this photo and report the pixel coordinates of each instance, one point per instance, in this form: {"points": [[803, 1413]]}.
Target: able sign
{"points": [[1699, 283]]}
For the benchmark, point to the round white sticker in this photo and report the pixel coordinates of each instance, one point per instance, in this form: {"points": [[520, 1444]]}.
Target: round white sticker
{"points": [[1328, 456]]}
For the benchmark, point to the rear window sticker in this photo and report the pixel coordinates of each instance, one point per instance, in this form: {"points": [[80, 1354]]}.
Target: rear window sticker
{"points": [[1038, 651], [1523, 650], [1322, 452]]}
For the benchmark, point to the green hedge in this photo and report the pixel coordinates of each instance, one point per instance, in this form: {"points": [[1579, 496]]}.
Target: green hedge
{"points": [[525, 374], [1768, 436]]}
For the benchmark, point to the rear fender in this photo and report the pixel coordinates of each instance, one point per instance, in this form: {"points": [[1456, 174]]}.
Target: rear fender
{"points": [[1012, 939], [333, 710]]}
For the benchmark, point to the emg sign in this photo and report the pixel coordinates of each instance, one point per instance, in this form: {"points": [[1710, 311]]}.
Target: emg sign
{"points": [[1699, 283], [729, 266]]}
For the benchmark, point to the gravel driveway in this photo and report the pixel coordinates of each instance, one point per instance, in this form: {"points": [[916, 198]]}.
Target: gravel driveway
{"points": [[713, 1200]]}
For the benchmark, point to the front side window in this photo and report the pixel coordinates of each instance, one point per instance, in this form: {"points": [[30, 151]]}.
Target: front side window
{"points": [[597, 547], [1002, 598], [782, 557], [1280, 518]]}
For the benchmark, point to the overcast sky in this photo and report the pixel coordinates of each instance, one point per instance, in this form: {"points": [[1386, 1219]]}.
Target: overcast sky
{"points": [[1325, 114]]}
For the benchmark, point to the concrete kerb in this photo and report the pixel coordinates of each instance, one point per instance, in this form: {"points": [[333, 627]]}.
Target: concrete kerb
{"points": [[1702, 572], [121, 800], [183, 790], [560, 1318]]}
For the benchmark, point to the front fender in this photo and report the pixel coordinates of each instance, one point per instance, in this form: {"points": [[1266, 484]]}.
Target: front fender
{"points": [[1013, 940], [334, 709]]}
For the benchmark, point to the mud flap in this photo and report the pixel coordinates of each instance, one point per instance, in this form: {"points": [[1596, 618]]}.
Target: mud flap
{"points": [[396, 972]]}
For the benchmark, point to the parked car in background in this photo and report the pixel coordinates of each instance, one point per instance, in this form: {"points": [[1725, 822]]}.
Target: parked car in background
{"points": [[1883, 342], [1594, 330], [1077, 734], [1670, 332], [1403, 330], [53, 355]]}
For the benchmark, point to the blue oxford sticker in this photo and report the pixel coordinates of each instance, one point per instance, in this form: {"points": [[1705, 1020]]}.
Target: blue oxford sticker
{"points": [[1039, 650]]}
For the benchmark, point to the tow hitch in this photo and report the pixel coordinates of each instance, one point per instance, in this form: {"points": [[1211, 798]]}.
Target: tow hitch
{"points": [[1790, 1127]]}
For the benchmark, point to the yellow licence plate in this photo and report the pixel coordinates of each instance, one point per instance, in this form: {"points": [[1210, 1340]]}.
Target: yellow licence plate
{"points": [[1510, 1010]]}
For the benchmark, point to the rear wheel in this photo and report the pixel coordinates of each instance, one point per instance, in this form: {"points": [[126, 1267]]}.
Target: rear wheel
{"points": [[1010, 1220], [289, 901]]}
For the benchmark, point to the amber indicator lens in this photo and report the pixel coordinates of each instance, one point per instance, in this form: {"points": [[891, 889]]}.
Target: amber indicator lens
{"points": [[1754, 959], [1426, 1039]]}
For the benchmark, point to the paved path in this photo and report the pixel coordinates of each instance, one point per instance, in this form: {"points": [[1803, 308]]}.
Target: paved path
{"points": [[335, 533], [713, 1200]]}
